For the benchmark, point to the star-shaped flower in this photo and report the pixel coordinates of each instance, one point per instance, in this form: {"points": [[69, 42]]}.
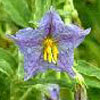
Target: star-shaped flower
{"points": [[51, 45]]}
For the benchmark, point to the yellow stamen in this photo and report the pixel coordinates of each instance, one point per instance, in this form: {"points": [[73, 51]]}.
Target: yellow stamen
{"points": [[51, 52], [55, 52], [45, 56]]}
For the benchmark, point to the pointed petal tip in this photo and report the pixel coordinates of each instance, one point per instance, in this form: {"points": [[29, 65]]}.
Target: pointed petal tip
{"points": [[11, 37], [26, 78], [8, 35], [52, 8], [87, 31]]}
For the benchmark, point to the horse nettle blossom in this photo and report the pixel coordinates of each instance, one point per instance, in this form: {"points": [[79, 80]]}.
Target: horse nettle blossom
{"points": [[51, 45]]}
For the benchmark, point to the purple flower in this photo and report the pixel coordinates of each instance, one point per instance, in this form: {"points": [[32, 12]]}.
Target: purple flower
{"points": [[51, 45]]}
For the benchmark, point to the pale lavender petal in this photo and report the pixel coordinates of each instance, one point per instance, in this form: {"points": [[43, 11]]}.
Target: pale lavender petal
{"points": [[77, 33], [64, 63], [72, 33], [66, 58], [27, 37], [46, 65], [82, 36], [57, 23], [31, 61], [51, 23], [29, 42], [28, 33]]}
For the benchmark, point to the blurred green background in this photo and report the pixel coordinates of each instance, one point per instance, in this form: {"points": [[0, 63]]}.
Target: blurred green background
{"points": [[17, 14]]}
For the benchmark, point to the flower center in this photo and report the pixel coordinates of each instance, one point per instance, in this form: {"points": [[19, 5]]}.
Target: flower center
{"points": [[50, 52]]}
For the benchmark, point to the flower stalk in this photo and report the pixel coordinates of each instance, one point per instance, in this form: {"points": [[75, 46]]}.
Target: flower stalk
{"points": [[80, 92], [80, 87]]}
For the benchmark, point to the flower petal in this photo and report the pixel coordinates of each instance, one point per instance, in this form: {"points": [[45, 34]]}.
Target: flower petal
{"points": [[51, 22], [66, 58], [77, 33], [28, 33], [65, 61], [29, 42], [31, 61], [72, 33], [81, 37], [46, 65], [27, 37]]}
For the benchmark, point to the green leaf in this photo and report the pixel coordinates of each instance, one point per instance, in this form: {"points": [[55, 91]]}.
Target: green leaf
{"points": [[18, 11], [5, 68], [7, 56], [40, 7], [66, 94], [90, 18], [90, 73], [86, 68], [92, 82], [62, 83], [4, 87], [93, 94]]}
